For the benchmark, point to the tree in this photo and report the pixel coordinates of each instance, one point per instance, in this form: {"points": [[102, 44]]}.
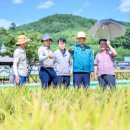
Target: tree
{"points": [[12, 26]]}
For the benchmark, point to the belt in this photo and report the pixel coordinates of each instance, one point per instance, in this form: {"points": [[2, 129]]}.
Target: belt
{"points": [[43, 68]]}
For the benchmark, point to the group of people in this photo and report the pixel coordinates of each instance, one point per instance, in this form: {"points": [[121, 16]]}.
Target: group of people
{"points": [[55, 67]]}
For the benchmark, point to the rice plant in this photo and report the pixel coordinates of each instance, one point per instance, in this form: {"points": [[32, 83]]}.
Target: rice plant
{"points": [[64, 109]]}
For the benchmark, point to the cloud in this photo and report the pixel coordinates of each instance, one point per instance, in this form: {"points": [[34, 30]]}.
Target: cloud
{"points": [[79, 11], [46, 5], [5, 23], [17, 1], [124, 6], [85, 4]]}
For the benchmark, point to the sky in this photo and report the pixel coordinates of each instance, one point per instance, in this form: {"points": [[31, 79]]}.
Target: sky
{"points": [[26, 11]]}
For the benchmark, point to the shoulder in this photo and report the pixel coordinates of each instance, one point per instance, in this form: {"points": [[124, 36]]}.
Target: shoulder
{"points": [[109, 52], [76, 45], [87, 47], [41, 48], [97, 55], [17, 51], [56, 52], [67, 52]]}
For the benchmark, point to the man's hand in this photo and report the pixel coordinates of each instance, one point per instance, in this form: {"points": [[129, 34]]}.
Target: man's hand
{"points": [[92, 74], [50, 56], [108, 43], [70, 49], [114, 53], [95, 77], [17, 79]]}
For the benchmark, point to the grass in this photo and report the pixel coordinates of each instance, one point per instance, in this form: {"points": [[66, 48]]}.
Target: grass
{"points": [[62, 109]]}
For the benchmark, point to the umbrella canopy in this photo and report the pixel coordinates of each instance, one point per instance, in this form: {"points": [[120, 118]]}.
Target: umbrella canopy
{"points": [[108, 29]]}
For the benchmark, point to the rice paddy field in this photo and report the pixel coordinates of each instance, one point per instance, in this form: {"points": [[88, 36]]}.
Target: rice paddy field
{"points": [[64, 109]]}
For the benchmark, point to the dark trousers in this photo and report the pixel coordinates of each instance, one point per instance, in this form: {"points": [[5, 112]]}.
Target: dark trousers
{"points": [[59, 80], [81, 79], [107, 80], [47, 76]]}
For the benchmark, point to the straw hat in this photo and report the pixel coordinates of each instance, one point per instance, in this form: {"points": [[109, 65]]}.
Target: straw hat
{"points": [[81, 34], [22, 39]]}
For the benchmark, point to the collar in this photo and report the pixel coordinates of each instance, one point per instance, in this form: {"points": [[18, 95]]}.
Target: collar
{"points": [[63, 52], [23, 50], [80, 46], [83, 48], [104, 51], [47, 48]]}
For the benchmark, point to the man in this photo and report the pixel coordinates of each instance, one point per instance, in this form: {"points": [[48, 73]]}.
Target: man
{"points": [[83, 62], [62, 64], [46, 58], [104, 64], [20, 66]]}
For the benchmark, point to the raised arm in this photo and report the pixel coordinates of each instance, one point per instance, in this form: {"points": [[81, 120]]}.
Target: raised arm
{"points": [[113, 51], [71, 50]]}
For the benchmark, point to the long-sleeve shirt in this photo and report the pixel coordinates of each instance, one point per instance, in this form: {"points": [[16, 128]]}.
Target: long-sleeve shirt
{"points": [[20, 65], [43, 53], [62, 62]]}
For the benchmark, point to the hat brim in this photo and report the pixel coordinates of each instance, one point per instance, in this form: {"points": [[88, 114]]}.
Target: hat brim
{"points": [[46, 40], [18, 43], [81, 37]]}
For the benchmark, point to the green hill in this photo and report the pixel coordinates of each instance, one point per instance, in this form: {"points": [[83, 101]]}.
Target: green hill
{"points": [[57, 23]]}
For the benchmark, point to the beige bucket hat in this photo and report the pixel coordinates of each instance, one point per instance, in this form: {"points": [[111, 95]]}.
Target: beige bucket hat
{"points": [[22, 39], [81, 34]]}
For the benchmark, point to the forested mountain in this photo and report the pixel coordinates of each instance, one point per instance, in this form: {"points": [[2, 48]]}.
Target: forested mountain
{"points": [[57, 23]]}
